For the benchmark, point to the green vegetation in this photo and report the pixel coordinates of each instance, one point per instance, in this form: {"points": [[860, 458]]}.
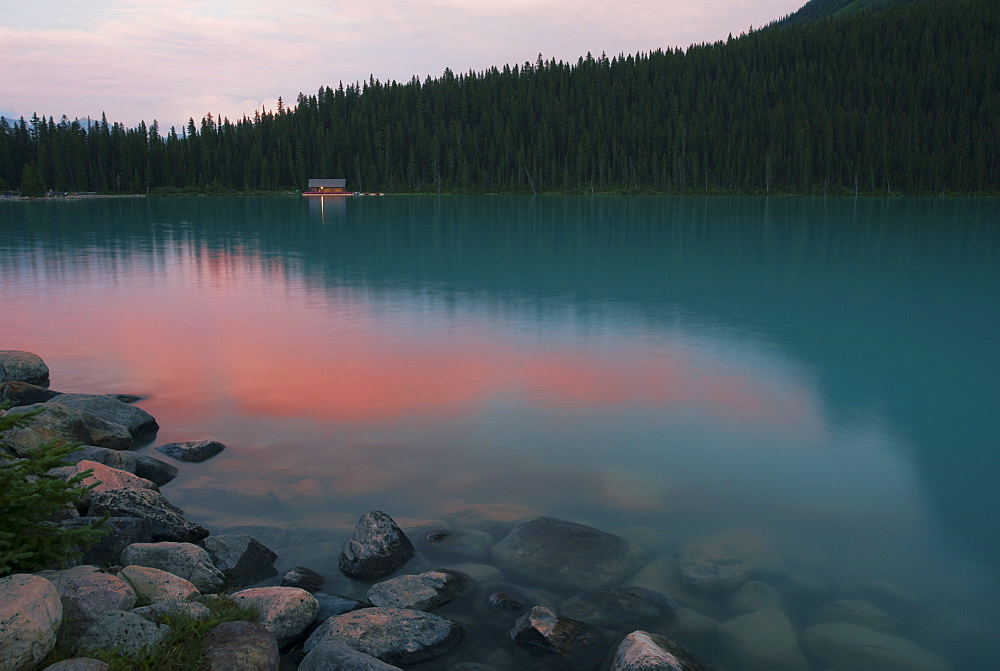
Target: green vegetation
{"points": [[30, 498], [32, 184], [903, 98]]}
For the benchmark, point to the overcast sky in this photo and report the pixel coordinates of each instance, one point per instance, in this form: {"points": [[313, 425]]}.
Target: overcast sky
{"points": [[137, 60]]}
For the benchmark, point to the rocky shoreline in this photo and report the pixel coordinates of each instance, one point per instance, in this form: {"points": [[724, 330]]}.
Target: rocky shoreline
{"points": [[492, 587]]}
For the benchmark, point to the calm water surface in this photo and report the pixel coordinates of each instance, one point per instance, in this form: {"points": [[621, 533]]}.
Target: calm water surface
{"points": [[823, 372]]}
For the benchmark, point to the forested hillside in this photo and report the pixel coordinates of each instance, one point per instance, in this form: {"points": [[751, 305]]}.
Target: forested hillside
{"points": [[901, 99]]}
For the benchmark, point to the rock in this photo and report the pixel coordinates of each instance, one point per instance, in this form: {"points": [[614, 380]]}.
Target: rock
{"points": [[764, 559], [160, 610], [18, 366], [689, 624], [106, 479], [622, 609], [854, 611], [305, 494], [764, 640], [331, 605], [662, 574], [272, 537], [154, 470], [22, 393], [642, 651], [480, 573], [284, 611], [841, 645], [152, 585], [192, 450], [377, 548], [129, 633], [58, 422], [78, 664], [754, 595], [86, 594], [168, 520], [500, 604], [336, 656], [455, 543], [242, 559], [710, 570], [559, 642], [808, 582], [122, 532], [136, 420], [565, 555], [890, 598], [185, 560], [303, 578], [425, 591], [394, 635], [241, 646], [30, 614], [496, 519]]}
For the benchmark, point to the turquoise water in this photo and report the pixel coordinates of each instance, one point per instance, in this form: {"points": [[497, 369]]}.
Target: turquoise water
{"points": [[822, 372]]}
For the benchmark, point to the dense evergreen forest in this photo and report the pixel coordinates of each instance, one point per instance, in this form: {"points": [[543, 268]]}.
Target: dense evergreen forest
{"points": [[903, 98]]}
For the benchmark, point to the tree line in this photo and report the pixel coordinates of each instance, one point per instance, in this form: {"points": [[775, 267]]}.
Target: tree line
{"points": [[902, 99]]}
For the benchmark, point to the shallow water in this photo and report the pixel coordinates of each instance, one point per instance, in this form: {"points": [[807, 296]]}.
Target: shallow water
{"points": [[822, 372]]}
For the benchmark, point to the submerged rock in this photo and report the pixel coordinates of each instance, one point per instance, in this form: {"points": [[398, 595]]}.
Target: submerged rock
{"points": [[192, 450], [455, 543], [623, 608], [854, 611], [850, 646], [764, 640], [500, 604], [711, 570], [559, 642], [377, 548]]}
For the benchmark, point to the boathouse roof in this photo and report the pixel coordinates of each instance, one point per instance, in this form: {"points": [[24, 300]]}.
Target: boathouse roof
{"points": [[327, 183]]}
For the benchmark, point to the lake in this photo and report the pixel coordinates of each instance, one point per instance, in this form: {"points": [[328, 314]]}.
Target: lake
{"points": [[821, 372]]}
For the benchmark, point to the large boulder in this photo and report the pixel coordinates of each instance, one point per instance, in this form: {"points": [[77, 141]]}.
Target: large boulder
{"points": [[284, 611], [86, 594], [764, 640], [425, 591], [337, 656], [146, 467], [241, 645], [394, 635], [136, 420], [104, 478], [122, 532], [841, 645], [129, 633], [152, 585], [192, 450], [643, 651], [18, 366], [377, 548], [30, 614], [168, 520], [186, 560], [567, 556], [559, 642], [21, 393], [60, 423], [622, 608], [242, 559]]}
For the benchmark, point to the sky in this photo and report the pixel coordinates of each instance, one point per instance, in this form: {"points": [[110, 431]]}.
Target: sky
{"points": [[136, 60]]}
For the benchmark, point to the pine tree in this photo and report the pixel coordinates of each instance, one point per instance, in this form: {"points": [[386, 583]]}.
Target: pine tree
{"points": [[32, 184]]}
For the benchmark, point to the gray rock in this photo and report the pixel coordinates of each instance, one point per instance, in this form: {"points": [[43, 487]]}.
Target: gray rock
{"points": [[105, 479], [153, 585], [160, 610], [425, 591], [754, 595], [763, 641], [58, 422], [136, 420], [854, 611], [78, 664], [642, 651], [303, 578], [168, 520], [850, 646], [455, 544], [377, 548], [185, 560], [711, 570], [559, 642], [500, 604], [30, 615], [86, 594], [689, 625], [19, 366], [890, 598], [622, 609], [566, 555], [394, 635], [331, 605], [286, 612], [496, 519], [269, 536], [129, 633], [243, 560], [336, 656], [146, 467], [765, 560], [241, 646], [192, 450], [122, 532], [22, 393]]}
